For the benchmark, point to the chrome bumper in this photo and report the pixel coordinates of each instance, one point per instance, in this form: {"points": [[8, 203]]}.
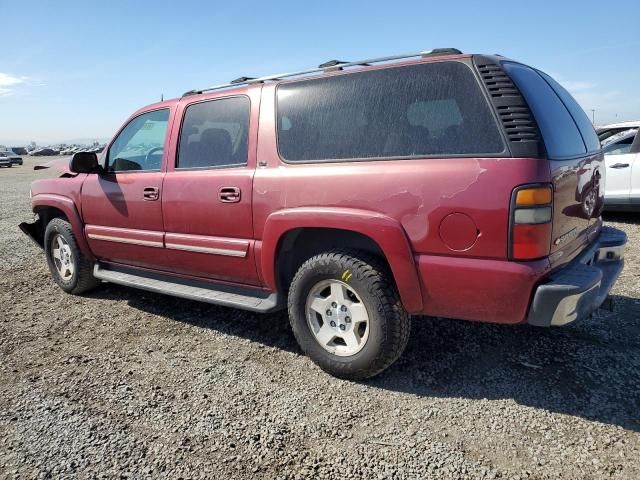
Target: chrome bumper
{"points": [[580, 287]]}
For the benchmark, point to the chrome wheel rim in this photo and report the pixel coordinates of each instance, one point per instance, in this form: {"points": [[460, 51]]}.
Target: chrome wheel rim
{"points": [[590, 202], [337, 318], [62, 257]]}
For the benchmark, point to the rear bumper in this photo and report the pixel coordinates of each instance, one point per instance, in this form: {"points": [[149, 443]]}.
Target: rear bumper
{"points": [[581, 286]]}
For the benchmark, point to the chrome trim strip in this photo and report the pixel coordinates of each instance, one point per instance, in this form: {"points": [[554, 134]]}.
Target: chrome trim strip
{"points": [[132, 241], [213, 251]]}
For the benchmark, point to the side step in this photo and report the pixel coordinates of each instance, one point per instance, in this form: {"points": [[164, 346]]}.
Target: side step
{"points": [[246, 299]]}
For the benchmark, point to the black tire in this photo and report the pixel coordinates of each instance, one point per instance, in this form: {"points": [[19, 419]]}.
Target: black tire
{"points": [[82, 279], [389, 323]]}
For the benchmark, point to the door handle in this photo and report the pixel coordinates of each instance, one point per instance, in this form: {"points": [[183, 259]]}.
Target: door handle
{"points": [[620, 165], [229, 194], [151, 193]]}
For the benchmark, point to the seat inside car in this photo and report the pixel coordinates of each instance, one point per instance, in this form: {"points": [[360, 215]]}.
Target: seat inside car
{"points": [[213, 148]]}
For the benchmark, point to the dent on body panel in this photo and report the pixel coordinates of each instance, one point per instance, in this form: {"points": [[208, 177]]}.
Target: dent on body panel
{"points": [[437, 196], [66, 186]]}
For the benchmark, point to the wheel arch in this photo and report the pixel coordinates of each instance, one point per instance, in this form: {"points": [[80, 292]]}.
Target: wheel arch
{"points": [[50, 206], [290, 230]]}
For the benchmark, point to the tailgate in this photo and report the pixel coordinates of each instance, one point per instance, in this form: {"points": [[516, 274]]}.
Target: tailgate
{"points": [[575, 159]]}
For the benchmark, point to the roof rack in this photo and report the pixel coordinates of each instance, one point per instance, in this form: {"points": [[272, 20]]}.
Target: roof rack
{"points": [[331, 65]]}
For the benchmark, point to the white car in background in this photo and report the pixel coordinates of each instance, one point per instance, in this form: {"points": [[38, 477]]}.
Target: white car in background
{"points": [[621, 147]]}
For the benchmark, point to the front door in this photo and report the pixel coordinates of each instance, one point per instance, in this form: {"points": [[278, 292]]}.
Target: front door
{"points": [[122, 207], [207, 192]]}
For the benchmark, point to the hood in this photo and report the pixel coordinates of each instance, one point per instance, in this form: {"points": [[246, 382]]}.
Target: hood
{"points": [[59, 164]]}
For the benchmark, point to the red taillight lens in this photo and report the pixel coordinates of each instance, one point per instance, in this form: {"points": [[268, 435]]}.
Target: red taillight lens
{"points": [[530, 241], [531, 213]]}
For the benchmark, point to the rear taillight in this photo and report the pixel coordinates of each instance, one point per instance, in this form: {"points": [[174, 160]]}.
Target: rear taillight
{"points": [[531, 214]]}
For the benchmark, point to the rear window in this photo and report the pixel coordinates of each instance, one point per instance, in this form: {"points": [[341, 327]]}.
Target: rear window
{"points": [[421, 110], [582, 121], [560, 132]]}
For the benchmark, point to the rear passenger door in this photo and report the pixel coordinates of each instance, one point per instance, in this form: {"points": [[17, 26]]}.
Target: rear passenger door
{"points": [[207, 193]]}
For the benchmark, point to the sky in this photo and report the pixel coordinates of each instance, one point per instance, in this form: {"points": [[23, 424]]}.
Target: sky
{"points": [[74, 70]]}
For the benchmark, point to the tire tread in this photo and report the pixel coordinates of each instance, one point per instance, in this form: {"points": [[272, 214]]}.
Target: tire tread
{"points": [[374, 273]]}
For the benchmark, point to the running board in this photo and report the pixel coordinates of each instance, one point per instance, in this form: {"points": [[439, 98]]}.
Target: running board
{"points": [[210, 293]]}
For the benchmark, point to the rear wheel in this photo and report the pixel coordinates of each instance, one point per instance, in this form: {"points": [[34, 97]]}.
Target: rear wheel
{"points": [[346, 314], [70, 269]]}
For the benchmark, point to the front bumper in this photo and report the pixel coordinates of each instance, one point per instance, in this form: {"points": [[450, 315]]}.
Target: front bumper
{"points": [[580, 287]]}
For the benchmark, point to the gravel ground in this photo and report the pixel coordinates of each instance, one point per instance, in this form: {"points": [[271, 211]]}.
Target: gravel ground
{"points": [[126, 383]]}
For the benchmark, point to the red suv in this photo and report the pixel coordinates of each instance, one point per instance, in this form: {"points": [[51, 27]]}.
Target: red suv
{"points": [[356, 194]]}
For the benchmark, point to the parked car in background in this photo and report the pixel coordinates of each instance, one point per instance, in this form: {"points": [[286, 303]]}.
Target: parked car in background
{"points": [[355, 195], [605, 131], [20, 150], [5, 161], [42, 152], [621, 147], [15, 159]]}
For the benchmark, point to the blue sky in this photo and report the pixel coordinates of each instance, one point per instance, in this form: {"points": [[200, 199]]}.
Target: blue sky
{"points": [[77, 69]]}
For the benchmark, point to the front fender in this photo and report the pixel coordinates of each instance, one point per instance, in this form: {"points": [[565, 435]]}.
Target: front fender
{"points": [[66, 206], [386, 232]]}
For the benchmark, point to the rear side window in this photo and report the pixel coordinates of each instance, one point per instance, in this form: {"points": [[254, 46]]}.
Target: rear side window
{"points": [[582, 121], [214, 134], [421, 110], [561, 135]]}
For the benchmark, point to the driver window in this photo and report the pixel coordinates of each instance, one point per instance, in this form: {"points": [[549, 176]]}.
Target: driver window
{"points": [[139, 145]]}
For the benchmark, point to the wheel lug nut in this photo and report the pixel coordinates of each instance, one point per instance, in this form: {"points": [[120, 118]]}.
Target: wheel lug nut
{"points": [[342, 327], [347, 319], [329, 313], [343, 308], [333, 324], [334, 304]]}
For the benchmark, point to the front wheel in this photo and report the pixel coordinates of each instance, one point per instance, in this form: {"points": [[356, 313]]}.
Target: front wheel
{"points": [[346, 314], [70, 269]]}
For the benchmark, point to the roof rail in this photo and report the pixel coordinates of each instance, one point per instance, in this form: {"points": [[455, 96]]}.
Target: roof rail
{"points": [[326, 67]]}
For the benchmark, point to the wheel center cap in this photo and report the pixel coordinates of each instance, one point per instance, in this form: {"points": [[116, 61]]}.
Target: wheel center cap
{"points": [[341, 319]]}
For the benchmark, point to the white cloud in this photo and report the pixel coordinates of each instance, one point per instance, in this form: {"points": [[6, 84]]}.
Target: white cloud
{"points": [[8, 81]]}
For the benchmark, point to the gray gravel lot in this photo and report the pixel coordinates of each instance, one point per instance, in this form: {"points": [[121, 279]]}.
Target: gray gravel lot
{"points": [[126, 383]]}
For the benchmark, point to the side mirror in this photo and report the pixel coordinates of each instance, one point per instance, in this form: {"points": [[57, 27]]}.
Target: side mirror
{"points": [[85, 162]]}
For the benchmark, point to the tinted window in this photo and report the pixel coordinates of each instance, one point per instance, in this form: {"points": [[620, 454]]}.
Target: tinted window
{"points": [[584, 124], [139, 146], [418, 110], [215, 134], [561, 135]]}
